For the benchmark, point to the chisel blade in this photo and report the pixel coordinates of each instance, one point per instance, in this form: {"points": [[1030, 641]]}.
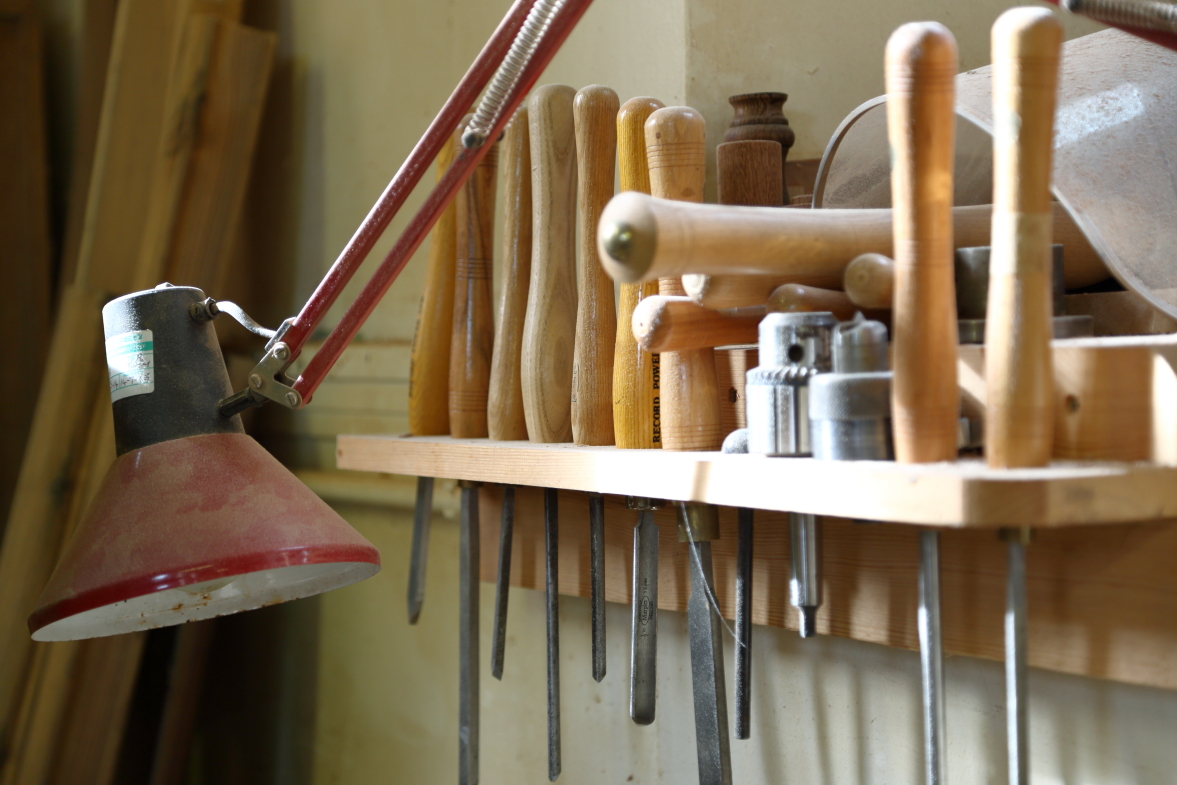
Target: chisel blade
{"points": [[503, 583], [552, 588], [468, 578], [743, 678], [931, 658], [643, 653], [419, 551], [597, 581], [1017, 729]]}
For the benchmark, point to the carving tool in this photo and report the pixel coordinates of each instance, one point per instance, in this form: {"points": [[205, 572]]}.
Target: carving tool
{"points": [[548, 332], [920, 71], [677, 324], [595, 118], [429, 372], [1018, 420], [504, 412], [721, 292], [795, 298], [472, 342], [640, 238], [869, 281], [636, 425], [468, 581]]}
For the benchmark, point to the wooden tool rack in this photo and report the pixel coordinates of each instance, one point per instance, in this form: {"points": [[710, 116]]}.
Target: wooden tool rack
{"points": [[1102, 568]]}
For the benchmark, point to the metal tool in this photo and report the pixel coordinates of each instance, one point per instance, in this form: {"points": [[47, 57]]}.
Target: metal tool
{"points": [[552, 596], [850, 408], [502, 583], [468, 605], [931, 659], [1016, 719], [737, 443], [643, 653], [698, 526], [597, 581], [419, 550]]}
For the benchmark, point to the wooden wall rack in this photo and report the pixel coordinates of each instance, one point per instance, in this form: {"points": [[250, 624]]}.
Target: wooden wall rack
{"points": [[1101, 585]]}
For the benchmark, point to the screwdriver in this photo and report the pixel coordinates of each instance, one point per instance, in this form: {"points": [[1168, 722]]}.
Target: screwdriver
{"points": [[429, 372], [920, 68], [595, 116], [471, 347], [549, 330], [1026, 45], [675, 153], [504, 413], [636, 424]]}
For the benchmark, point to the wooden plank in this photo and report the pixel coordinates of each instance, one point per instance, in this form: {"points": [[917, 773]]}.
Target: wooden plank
{"points": [[962, 494], [1101, 599], [219, 172], [25, 248]]}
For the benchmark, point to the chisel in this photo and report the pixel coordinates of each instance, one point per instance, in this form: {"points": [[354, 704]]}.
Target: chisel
{"points": [[504, 412], [920, 71], [1026, 45], [549, 330], [637, 426], [594, 117], [429, 372], [676, 324], [675, 153], [468, 605]]}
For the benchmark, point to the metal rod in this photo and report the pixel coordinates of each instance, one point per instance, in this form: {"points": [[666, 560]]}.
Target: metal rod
{"points": [[805, 584], [419, 551], [597, 581], [552, 588], [435, 203], [503, 583], [468, 577], [743, 678], [643, 650], [931, 658], [406, 178], [1167, 40], [1017, 730]]}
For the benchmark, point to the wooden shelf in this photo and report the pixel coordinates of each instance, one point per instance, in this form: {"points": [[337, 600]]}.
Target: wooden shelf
{"points": [[966, 494]]}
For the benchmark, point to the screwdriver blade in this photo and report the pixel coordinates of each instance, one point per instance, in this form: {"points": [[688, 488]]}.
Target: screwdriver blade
{"points": [[419, 551], [503, 583], [643, 652]]}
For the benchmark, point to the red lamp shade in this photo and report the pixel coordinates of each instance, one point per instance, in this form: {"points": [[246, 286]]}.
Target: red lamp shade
{"points": [[194, 528]]}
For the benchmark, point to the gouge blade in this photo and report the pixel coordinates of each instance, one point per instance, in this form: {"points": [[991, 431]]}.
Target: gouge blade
{"points": [[552, 587], [597, 581], [468, 564], [419, 551], [931, 658], [643, 652], [1017, 730], [743, 679], [503, 583]]}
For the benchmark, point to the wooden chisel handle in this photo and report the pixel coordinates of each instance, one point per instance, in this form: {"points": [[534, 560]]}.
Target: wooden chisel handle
{"points": [[1019, 421], [636, 416], [549, 329], [869, 281], [429, 364], [795, 298], [504, 409], [921, 123], [676, 153], [640, 238], [595, 117], [676, 324], [722, 292], [472, 342]]}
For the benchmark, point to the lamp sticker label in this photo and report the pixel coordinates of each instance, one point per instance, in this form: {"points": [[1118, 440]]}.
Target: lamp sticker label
{"points": [[130, 360]]}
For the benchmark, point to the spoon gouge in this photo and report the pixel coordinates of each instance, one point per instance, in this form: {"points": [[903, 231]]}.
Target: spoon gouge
{"points": [[504, 412], [920, 71], [636, 424], [429, 371], [549, 331], [1026, 46], [675, 154], [595, 117], [642, 238]]}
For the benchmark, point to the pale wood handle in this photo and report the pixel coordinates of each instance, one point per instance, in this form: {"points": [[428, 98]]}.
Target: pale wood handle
{"points": [[1019, 412], [504, 409], [595, 116], [549, 329], [641, 238], [921, 123], [722, 292], [675, 324], [869, 281], [676, 153], [636, 404], [472, 342], [795, 298], [429, 366]]}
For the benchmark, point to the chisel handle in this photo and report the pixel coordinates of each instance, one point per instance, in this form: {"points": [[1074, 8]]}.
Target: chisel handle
{"points": [[641, 238], [869, 281], [721, 292], [549, 329], [429, 366], [636, 421], [676, 153], [921, 124], [1019, 420], [472, 342], [504, 409], [795, 298], [675, 324], [595, 117]]}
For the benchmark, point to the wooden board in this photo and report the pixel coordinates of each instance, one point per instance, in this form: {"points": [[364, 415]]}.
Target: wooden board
{"points": [[963, 494], [1101, 598]]}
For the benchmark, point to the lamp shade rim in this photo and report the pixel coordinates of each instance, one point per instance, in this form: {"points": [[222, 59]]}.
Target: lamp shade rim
{"points": [[225, 567]]}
